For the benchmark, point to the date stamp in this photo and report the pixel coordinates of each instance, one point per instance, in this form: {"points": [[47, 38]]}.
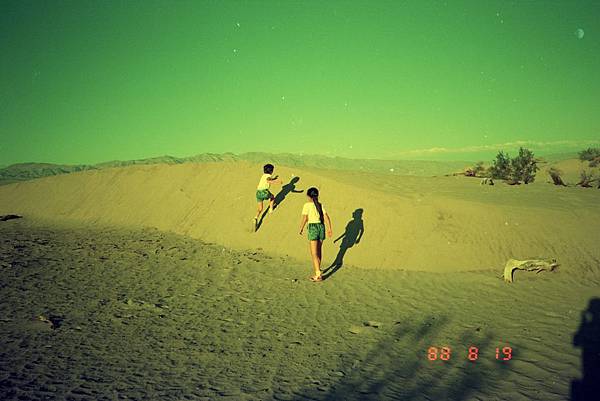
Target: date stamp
{"points": [[444, 353]]}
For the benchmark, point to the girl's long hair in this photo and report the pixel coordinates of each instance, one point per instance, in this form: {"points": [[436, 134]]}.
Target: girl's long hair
{"points": [[313, 193]]}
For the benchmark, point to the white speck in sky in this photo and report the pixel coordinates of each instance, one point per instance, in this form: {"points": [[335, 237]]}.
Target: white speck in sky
{"points": [[282, 97], [235, 51], [580, 33], [391, 170], [237, 24], [350, 147]]}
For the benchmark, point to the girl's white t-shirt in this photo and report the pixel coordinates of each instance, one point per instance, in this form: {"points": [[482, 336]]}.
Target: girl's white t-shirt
{"points": [[309, 209], [264, 183]]}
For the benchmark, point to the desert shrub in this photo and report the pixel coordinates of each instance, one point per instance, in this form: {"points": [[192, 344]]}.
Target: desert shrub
{"points": [[591, 155], [469, 172], [501, 166], [524, 166], [479, 169], [555, 174], [586, 179]]}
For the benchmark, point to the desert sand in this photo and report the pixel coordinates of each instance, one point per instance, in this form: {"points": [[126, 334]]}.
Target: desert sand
{"points": [[438, 224], [147, 282]]}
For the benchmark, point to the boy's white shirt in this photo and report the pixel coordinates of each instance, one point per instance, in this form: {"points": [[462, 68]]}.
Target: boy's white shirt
{"points": [[264, 183], [309, 209]]}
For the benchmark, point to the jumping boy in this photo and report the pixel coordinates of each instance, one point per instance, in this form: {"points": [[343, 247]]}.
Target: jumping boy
{"points": [[263, 193]]}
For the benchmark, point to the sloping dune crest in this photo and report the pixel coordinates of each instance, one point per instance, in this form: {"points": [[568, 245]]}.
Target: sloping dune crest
{"points": [[408, 227]]}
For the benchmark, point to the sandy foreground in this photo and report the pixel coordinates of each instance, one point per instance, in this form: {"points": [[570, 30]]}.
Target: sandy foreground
{"points": [[146, 282], [145, 314]]}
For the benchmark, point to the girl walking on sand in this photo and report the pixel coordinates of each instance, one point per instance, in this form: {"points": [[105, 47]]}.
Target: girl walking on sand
{"points": [[315, 214]]}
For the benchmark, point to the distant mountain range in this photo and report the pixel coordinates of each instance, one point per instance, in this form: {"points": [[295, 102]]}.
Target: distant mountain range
{"points": [[28, 171]]}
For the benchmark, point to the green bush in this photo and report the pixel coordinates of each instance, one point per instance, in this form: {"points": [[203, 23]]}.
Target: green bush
{"points": [[592, 155], [520, 169], [524, 166], [501, 166]]}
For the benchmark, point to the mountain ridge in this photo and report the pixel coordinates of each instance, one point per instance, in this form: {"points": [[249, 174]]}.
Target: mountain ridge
{"points": [[31, 170]]}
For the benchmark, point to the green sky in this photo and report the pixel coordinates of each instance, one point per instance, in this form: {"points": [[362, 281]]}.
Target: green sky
{"points": [[83, 82]]}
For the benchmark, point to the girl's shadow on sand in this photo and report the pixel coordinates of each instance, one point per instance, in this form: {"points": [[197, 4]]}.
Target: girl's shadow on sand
{"points": [[351, 236]]}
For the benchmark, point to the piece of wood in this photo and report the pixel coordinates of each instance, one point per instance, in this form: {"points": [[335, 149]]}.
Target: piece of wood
{"points": [[10, 217], [536, 265]]}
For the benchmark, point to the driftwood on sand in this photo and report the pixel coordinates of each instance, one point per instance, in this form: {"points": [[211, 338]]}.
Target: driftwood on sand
{"points": [[586, 179], [536, 265], [556, 178], [6, 217]]}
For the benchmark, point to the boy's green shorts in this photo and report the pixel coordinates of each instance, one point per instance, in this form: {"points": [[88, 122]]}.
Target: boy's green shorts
{"points": [[263, 194], [316, 231]]}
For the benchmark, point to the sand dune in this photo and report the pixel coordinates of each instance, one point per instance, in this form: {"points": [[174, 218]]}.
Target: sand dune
{"points": [[412, 223]]}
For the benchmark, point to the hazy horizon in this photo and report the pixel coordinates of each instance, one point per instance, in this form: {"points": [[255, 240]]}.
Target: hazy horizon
{"points": [[88, 82], [552, 156]]}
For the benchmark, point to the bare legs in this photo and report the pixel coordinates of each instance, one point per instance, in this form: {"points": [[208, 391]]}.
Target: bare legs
{"points": [[316, 254], [271, 204], [259, 210], [260, 207]]}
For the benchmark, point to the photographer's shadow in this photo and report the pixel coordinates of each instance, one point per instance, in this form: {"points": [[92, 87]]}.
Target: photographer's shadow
{"points": [[588, 339], [351, 236]]}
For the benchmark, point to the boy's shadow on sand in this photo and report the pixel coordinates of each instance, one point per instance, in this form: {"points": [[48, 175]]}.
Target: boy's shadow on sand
{"points": [[288, 188], [588, 338], [353, 234]]}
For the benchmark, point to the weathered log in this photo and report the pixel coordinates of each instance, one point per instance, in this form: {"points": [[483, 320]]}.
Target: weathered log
{"points": [[10, 217], [556, 179], [536, 265]]}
